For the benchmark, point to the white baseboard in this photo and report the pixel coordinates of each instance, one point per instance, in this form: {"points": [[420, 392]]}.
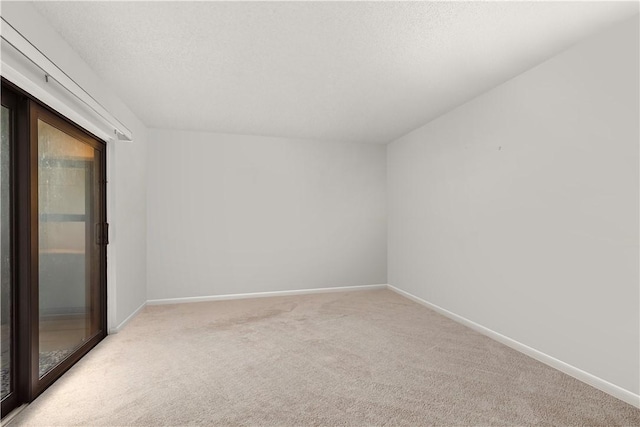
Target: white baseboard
{"points": [[592, 380], [263, 294], [127, 320]]}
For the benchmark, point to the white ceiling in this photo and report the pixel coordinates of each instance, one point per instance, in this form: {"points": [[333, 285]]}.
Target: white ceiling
{"points": [[356, 71]]}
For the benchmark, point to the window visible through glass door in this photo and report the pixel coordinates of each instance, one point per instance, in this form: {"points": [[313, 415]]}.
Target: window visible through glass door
{"points": [[68, 244]]}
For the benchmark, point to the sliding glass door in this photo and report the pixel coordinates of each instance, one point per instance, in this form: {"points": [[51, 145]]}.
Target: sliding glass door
{"points": [[69, 239], [53, 236]]}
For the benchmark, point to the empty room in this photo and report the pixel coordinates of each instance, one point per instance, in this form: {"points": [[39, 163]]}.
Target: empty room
{"points": [[320, 213]]}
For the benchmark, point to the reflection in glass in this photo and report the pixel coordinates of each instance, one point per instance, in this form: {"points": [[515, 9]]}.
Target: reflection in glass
{"points": [[67, 222], [5, 255]]}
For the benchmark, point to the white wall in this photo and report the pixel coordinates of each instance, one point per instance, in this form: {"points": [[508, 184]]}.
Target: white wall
{"points": [[127, 174], [233, 214], [519, 209]]}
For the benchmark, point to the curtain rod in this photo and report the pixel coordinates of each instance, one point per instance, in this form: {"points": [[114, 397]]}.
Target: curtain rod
{"points": [[21, 44]]}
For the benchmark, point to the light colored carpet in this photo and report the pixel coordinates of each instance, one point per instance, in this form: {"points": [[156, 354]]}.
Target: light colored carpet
{"points": [[355, 358]]}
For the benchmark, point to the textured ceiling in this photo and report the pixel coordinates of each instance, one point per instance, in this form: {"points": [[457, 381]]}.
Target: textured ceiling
{"points": [[356, 71]]}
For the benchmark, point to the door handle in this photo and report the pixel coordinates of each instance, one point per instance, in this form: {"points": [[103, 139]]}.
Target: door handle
{"points": [[102, 233]]}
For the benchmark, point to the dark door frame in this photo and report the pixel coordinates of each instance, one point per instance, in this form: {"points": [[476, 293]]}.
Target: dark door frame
{"points": [[26, 382]]}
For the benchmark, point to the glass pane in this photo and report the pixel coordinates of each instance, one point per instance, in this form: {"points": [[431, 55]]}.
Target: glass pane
{"points": [[5, 255], [67, 221]]}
